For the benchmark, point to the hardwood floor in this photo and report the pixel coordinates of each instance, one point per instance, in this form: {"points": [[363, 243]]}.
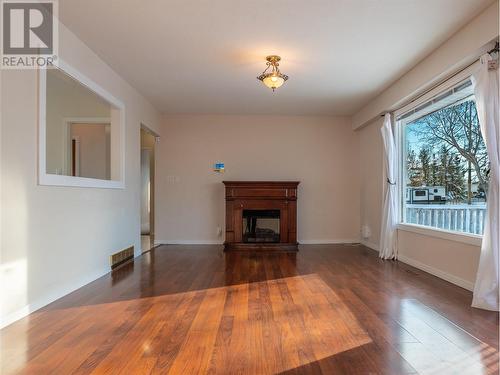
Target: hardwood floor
{"points": [[331, 309]]}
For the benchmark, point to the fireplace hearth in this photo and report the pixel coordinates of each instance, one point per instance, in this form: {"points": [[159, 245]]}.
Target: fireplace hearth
{"points": [[261, 215]]}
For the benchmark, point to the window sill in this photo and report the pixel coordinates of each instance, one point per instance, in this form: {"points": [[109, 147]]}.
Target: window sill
{"points": [[71, 181], [467, 238]]}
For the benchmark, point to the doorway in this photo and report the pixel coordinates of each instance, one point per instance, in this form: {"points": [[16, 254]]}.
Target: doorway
{"points": [[148, 144]]}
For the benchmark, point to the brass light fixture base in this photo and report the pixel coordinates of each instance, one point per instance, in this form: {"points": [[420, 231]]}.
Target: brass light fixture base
{"points": [[273, 59]]}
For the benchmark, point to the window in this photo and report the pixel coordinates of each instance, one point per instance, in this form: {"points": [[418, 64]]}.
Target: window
{"points": [[81, 137], [445, 164]]}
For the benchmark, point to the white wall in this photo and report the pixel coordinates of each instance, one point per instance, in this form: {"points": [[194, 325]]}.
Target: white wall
{"points": [[453, 261], [56, 239], [321, 152], [371, 171]]}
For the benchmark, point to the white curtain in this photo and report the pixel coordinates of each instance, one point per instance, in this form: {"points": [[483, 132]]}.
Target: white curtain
{"points": [[390, 215], [485, 83]]}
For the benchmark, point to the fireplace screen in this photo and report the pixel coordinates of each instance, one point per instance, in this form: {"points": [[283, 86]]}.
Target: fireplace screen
{"points": [[261, 225]]}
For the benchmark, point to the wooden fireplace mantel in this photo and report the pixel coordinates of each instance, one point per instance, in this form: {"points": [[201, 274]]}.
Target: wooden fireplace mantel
{"points": [[261, 195]]}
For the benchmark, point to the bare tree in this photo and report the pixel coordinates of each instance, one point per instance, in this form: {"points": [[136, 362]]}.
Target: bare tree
{"points": [[457, 127]]}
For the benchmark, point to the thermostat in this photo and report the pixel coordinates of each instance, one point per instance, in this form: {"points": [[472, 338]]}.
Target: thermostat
{"points": [[219, 167]]}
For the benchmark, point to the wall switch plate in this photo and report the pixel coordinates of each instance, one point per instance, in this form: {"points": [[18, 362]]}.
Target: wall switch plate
{"points": [[173, 179]]}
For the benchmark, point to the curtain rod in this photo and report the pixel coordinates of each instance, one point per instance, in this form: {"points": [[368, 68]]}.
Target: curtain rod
{"points": [[493, 50]]}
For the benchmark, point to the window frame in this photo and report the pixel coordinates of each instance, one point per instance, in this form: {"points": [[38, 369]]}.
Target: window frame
{"points": [[463, 237], [118, 109]]}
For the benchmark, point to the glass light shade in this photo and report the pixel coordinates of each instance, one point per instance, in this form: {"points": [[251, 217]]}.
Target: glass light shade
{"points": [[273, 81]]}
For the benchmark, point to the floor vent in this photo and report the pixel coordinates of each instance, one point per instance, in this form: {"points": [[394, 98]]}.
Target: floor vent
{"points": [[121, 257]]}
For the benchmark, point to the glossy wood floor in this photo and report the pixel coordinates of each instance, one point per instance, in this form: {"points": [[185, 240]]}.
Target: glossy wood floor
{"points": [[333, 309]]}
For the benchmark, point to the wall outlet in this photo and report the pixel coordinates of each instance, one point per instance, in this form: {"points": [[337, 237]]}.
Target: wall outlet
{"points": [[365, 231], [219, 231]]}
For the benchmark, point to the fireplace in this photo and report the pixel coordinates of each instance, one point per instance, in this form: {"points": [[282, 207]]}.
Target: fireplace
{"points": [[261, 226], [261, 215]]}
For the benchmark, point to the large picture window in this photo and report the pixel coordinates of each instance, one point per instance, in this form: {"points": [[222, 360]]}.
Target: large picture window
{"points": [[445, 164]]}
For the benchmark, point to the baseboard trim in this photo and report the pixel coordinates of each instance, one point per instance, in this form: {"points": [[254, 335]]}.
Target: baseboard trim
{"points": [[370, 245], [327, 242], [425, 267], [189, 242], [437, 272], [49, 298], [212, 242]]}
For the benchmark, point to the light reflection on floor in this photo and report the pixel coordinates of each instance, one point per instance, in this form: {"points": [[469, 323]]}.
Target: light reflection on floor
{"points": [[442, 347], [297, 319]]}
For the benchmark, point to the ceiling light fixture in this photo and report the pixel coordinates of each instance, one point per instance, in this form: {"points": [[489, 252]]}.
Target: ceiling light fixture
{"points": [[274, 78]]}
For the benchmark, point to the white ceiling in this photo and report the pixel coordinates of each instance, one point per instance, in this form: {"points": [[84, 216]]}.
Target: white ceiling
{"points": [[202, 56]]}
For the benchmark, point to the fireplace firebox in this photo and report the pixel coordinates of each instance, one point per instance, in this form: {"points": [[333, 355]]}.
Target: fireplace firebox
{"points": [[261, 226], [261, 215]]}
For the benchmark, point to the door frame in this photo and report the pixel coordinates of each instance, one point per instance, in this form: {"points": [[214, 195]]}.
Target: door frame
{"points": [[152, 178]]}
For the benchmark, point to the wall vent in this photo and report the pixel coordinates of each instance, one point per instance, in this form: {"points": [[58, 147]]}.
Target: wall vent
{"points": [[121, 257]]}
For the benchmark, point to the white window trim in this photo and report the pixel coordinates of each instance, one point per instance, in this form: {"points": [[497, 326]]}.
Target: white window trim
{"points": [[45, 178], [447, 85], [462, 237], [467, 238]]}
